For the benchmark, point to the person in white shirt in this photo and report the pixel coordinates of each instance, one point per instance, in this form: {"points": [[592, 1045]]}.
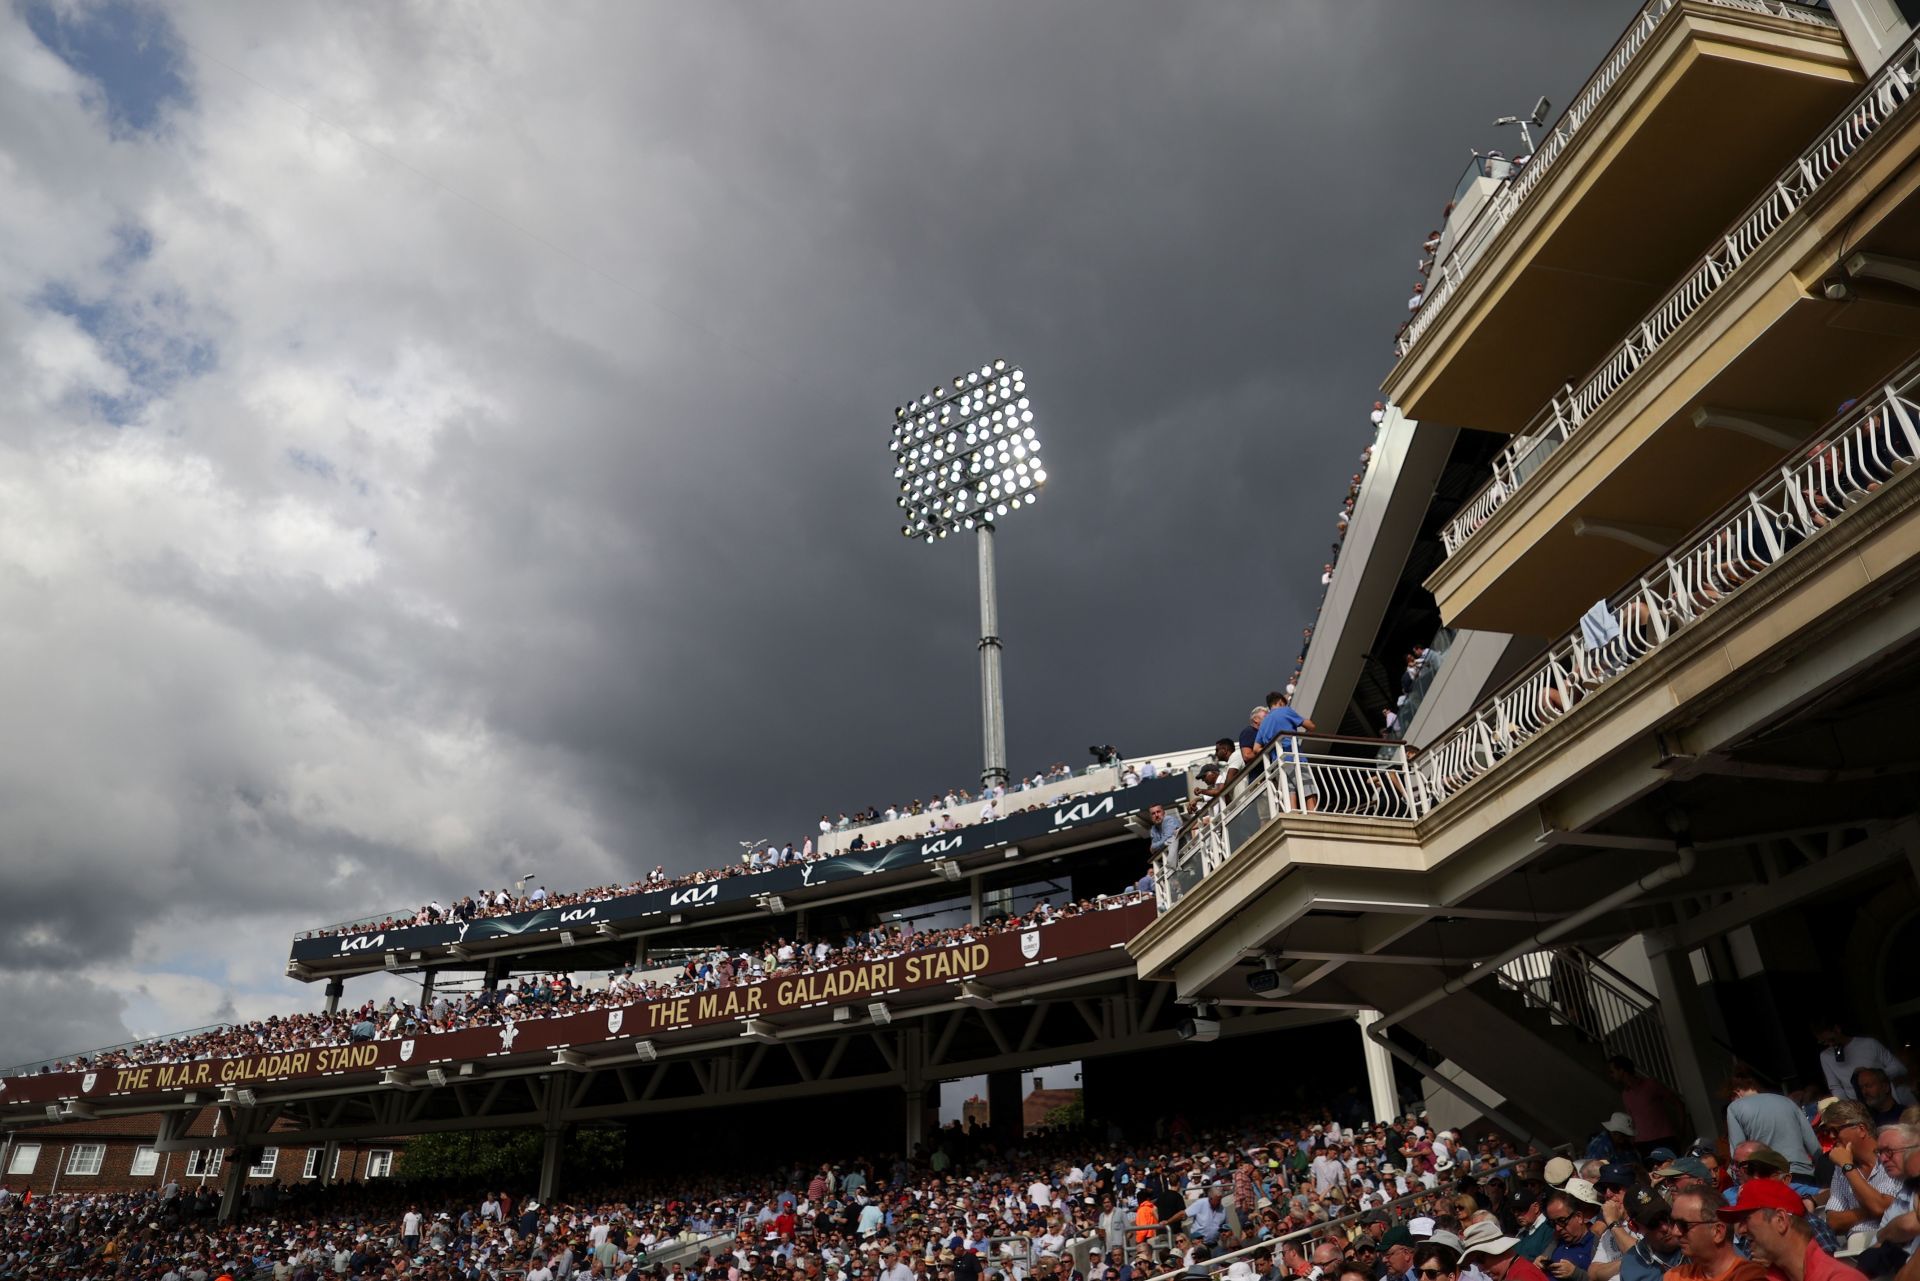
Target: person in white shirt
{"points": [[1040, 1194], [1844, 1055]]}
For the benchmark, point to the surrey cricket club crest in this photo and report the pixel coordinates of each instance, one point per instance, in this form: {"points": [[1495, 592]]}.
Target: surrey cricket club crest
{"points": [[507, 1034], [1030, 944], [86, 1082], [406, 1051], [614, 1019]]}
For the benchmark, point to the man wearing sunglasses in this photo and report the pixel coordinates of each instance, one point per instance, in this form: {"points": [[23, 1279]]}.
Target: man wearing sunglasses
{"points": [[1707, 1241], [1772, 1216], [1862, 1187]]}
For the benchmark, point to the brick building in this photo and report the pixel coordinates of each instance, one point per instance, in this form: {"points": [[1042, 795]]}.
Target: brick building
{"points": [[118, 1154]]}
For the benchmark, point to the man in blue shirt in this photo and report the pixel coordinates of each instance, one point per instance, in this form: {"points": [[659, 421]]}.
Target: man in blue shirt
{"points": [[1281, 722], [1207, 1215], [1162, 827]]}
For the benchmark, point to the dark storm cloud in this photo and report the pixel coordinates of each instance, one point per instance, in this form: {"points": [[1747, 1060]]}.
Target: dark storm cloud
{"points": [[1195, 226], [535, 515]]}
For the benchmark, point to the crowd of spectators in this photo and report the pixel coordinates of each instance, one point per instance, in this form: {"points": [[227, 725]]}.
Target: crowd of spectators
{"points": [[761, 856], [555, 995], [1287, 1198]]}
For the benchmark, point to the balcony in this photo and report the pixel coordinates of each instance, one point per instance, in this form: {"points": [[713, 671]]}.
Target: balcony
{"points": [[1734, 368], [1699, 102], [1366, 808]]}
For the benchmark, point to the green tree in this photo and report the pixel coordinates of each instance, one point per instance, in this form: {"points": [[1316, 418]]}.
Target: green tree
{"points": [[511, 1156]]}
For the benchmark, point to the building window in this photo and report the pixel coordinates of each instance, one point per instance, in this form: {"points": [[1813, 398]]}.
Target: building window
{"points": [[145, 1162], [25, 1157], [203, 1163], [85, 1158], [311, 1169], [263, 1168], [335, 1176], [379, 1163]]}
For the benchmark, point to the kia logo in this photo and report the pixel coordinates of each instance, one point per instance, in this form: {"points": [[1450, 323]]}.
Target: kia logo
{"points": [[1083, 811], [578, 914], [364, 943], [941, 846], [695, 894]]}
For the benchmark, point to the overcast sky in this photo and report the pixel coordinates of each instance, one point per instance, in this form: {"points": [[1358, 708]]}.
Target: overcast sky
{"points": [[441, 443]]}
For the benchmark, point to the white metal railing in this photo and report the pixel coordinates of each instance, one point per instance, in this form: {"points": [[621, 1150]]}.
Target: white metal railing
{"points": [[1567, 412], [1460, 262], [1872, 443], [1574, 987], [1877, 439], [1319, 773]]}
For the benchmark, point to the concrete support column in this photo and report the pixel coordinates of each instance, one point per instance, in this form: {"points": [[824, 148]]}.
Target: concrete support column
{"points": [[1697, 1062], [233, 1180], [1384, 1095], [426, 990], [1004, 1103], [553, 1139], [913, 1080], [329, 1158], [336, 988], [973, 883]]}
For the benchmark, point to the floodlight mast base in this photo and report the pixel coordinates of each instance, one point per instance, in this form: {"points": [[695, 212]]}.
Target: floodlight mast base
{"points": [[993, 712]]}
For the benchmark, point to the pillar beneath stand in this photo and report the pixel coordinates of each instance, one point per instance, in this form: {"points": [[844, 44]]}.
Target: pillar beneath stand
{"points": [[974, 897], [1006, 1104], [329, 1162], [1697, 1062], [1384, 1095], [496, 971], [233, 1182], [554, 1138], [426, 991], [336, 988], [913, 1073]]}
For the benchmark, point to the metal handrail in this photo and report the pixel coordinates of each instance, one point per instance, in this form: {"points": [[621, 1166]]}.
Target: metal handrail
{"points": [[1289, 779], [1605, 1012], [1565, 414], [1459, 264]]}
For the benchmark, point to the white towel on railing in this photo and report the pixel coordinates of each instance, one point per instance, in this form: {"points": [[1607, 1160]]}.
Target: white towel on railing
{"points": [[1598, 627]]}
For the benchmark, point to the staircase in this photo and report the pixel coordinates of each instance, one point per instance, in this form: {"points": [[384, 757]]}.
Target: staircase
{"points": [[1537, 1035], [1608, 1010]]}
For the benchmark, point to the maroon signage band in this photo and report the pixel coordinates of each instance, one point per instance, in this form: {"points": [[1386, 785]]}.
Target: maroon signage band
{"points": [[1000, 953]]}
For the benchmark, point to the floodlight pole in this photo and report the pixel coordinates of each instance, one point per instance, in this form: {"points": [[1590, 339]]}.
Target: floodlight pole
{"points": [[993, 711]]}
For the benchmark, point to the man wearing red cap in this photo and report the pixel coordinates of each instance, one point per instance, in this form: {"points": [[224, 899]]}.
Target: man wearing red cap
{"points": [[1772, 1213]]}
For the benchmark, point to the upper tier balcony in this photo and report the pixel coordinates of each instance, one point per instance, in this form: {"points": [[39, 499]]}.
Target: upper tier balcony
{"points": [[1699, 103], [1803, 298]]}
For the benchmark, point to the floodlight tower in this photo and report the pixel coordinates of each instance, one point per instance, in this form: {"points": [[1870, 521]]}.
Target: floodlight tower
{"points": [[965, 455]]}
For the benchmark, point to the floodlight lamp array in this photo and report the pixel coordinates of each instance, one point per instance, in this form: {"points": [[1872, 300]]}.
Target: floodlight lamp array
{"points": [[966, 454]]}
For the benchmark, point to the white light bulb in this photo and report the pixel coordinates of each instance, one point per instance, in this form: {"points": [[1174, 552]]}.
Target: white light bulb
{"points": [[1029, 500], [1028, 433], [1026, 415], [1019, 451], [1002, 509], [1039, 476], [998, 364]]}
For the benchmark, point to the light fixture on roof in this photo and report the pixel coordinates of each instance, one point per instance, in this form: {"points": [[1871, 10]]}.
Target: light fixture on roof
{"points": [[966, 455], [879, 1013], [436, 1077], [1536, 119], [645, 1051], [774, 904]]}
